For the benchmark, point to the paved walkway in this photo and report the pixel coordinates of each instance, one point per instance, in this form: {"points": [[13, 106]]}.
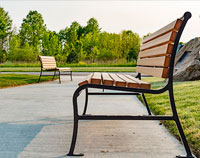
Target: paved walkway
{"points": [[36, 122]]}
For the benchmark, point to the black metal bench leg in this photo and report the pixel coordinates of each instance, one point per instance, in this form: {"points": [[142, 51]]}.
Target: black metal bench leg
{"points": [[54, 75], [86, 101], [146, 104], [75, 130], [40, 76], [179, 127], [71, 75], [59, 77], [74, 137]]}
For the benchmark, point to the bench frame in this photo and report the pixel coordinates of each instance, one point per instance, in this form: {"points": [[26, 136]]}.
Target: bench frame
{"points": [[133, 91], [55, 74]]}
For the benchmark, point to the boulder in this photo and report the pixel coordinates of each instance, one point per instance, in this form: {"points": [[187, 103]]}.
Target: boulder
{"points": [[187, 62]]}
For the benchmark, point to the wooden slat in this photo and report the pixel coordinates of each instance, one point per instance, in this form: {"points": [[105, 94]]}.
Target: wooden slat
{"points": [[48, 65], [86, 81], [48, 62], [52, 65], [157, 72], [96, 78], [175, 25], [130, 83], [142, 84], [165, 39], [107, 80], [118, 81], [156, 61], [46, 57], [157, 51], [64, 69]]}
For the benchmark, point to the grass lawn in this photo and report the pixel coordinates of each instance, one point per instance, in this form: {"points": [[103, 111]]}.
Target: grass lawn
{"points": [[12, 80], [187, 98], [74, 69]]}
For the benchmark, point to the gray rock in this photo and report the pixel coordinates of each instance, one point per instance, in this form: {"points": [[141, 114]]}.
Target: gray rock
{"points": [[187, 62]]}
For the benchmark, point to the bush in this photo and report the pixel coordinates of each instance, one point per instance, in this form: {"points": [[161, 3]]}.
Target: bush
{"points": [[23, 54]]}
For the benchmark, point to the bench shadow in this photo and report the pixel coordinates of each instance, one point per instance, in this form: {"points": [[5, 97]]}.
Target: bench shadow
{"points": [[16, 135]]}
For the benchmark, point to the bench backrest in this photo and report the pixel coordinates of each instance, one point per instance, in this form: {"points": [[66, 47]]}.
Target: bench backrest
{"points": [[156, 51], [47, 62]]}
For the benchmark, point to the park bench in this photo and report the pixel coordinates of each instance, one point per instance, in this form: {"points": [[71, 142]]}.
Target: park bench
{"points": [[156, 58], [48, 63]]}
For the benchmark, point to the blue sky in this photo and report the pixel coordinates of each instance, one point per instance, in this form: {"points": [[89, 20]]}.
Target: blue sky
{"points": [[113, 16]]}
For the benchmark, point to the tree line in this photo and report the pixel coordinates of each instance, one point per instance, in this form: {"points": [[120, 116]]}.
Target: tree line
{"points": [[73, 44]]}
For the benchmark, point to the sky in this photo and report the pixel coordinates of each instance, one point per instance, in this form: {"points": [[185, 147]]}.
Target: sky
{"points": [[141, 17]]}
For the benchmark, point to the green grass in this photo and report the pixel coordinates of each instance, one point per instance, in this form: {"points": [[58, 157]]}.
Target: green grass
{"points": [[74, 69], [12, 80], [80, 64], [187, 98]]}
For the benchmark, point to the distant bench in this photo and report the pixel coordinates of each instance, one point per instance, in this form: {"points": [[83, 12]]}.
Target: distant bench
{"points": [[156, 58], [48, 63]]}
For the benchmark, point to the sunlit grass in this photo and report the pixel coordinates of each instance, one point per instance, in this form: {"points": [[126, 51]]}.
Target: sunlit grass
{"points": [[12, 80], [187, 98]]}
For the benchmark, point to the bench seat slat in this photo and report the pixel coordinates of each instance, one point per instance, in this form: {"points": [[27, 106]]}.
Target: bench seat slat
{"points": [[130, 83], [157, 61], [115, 80], [107, 80], [162, 40], [118, 81], [64, 69], [142, 84], [86, 81], [153, 71], [96, 78]]}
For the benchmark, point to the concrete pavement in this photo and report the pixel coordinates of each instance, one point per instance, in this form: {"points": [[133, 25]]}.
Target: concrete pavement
{"points": [[36, 121]]}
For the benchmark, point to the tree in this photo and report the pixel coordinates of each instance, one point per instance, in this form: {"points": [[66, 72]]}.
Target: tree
{"points": [[51, 45], [130, 44], [92, 27], [32, 30], [5, 32], [18, 53]]}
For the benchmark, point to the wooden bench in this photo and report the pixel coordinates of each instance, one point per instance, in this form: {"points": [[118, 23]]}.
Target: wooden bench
{"points": [[48, 63], [156, 58]]}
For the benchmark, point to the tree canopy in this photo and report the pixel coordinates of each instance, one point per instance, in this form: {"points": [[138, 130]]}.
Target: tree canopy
{"points": [[5, 32], [32, 29], [73, 44]]}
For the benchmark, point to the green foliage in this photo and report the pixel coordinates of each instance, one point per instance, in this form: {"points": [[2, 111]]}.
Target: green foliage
{"points": [[18, 53], [32, 30], [5, 32], [92, 26], [70, 45], [51, 44]]}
